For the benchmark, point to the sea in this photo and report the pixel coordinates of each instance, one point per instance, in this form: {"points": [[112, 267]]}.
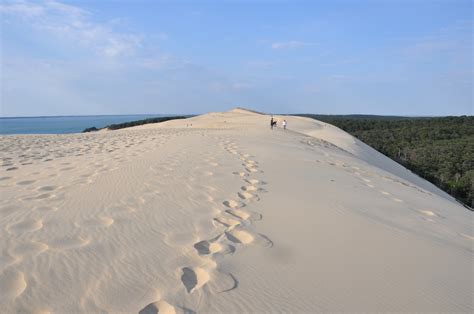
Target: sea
{"points": [[64, 124]]}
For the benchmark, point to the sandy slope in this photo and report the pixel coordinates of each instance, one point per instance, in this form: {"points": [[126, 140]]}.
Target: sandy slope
{"points": [[225, 216]]}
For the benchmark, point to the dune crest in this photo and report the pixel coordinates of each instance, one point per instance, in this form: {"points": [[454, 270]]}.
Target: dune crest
{"points": [[220, 213]]}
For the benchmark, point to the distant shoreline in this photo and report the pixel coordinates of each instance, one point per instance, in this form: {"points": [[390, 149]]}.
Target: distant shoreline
{"points": [[92, 115], [65, 124]]}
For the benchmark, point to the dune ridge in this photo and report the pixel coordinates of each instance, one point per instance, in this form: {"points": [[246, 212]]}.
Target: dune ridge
{"points": [[219, 213]]}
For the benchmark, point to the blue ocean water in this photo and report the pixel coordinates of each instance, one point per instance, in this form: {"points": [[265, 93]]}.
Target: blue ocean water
{"points": [[64, 124]]}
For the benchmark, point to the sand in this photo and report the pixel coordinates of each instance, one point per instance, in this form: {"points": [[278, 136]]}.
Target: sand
{"points": [[225, 216]]}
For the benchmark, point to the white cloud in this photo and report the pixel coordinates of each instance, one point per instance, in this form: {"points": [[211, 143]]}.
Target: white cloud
{"points": [[22, 9], [122, 45], [292, 44], [67, 9], [75, 25]]}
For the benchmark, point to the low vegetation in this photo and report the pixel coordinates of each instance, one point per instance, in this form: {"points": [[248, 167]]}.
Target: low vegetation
{"points": [[141, 122], [441, 150], [92, 129]]}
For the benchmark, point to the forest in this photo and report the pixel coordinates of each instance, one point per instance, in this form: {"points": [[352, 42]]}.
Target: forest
{"points": [[439, 149]]}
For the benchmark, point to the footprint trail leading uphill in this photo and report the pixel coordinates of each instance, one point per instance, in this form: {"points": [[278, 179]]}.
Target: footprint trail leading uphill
{"points": [[233, 224]]}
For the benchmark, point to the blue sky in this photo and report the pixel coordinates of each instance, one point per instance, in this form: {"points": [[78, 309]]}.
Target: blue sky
{"points": [[332, 57]]}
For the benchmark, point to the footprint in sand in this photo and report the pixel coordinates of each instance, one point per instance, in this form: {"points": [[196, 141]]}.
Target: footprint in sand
{"points": [[241, 214], [233, 204], [207, 247], [239, 236], [254, 181], [161, 307], [241, 174], [12, 285], [247, 165], [244, 215], [247, 196], [194, 278], [227, 222], [248, 188], [26, 182], [251, 169], [29, 225], [47, 188]]}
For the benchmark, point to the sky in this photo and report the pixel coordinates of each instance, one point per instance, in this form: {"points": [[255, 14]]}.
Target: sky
{"points": [[405, 57]]}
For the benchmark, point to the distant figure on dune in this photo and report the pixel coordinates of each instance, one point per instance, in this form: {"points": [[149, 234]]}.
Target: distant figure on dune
{"points": [[284, 123], [272, 123]]}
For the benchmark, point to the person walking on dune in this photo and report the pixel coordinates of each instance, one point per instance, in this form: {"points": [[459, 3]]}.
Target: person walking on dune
{"points": [[284, 123], [272, 123]]}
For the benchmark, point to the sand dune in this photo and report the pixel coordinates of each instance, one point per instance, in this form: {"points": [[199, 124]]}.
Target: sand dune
{"points": [[225, 216]]}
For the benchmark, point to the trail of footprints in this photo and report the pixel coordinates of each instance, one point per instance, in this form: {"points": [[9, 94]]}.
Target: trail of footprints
{"points": [[13, 282], [103, 152], [366, 177], [234, 232], [24, 245], [363, 175]]}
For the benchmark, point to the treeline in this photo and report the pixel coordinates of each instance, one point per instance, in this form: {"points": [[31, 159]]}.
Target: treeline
{"points": [[135, 123], [441, 150], [141, 122]]}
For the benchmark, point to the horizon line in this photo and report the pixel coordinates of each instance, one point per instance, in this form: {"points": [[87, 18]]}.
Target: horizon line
{"points": [[194, 114]]}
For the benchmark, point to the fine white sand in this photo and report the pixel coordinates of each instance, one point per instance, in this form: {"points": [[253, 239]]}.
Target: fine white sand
{"points": [[225, 216]]}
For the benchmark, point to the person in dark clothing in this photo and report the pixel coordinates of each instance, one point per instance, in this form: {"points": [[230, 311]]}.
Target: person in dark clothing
{"points": [[272, 123]]}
